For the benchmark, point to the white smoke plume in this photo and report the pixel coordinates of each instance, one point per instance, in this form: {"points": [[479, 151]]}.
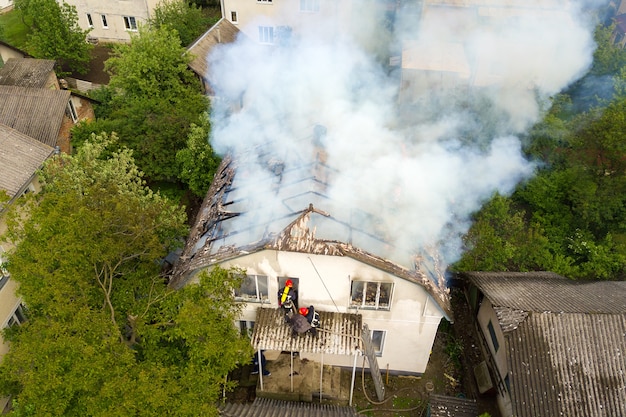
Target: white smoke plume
{"points": [[421, 148]]}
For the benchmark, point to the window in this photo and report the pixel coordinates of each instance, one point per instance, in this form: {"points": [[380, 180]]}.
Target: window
{"points": [[89, 20], [378, 341], [233, 17], [266, 34], [18, 317], [4, 274], [71, 111], [105, 25], [264, 1], [246, 328], [130, 23], [494, 339], [253, 289], [371, 295], [309, 5]]}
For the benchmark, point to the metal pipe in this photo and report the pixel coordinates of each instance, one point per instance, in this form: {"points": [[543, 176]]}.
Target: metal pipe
{"points": [[260, 368], [353, 377]]}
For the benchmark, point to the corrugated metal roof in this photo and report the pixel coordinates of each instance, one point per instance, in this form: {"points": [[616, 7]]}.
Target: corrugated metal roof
{"points": [[26, 72], [547, 291], [20, 157], [265, 407], [570, 364], [36, 112], [338, 334], [445, 406]]}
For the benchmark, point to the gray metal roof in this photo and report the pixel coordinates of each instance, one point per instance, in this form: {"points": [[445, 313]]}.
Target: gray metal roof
{"points": [[20, 157], [265, 407], [547, 291], [338, 334], [569, 364], [36, 112], [27, 72], [565, 342], [222, 32], [446, 406]]}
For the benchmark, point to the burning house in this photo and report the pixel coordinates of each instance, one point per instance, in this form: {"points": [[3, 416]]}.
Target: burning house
{"points": [[336, 262]]}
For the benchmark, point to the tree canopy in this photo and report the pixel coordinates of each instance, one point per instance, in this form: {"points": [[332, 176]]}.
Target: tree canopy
{"points": [[151, 102], [55, 34], [188, 19], [105, 334]]}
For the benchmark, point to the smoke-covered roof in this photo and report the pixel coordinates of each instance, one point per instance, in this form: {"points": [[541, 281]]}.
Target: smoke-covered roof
{"points": [[299, 217]]}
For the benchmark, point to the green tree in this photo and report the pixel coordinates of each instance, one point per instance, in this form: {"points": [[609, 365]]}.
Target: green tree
{"points": [[608, 58], [197, 162], [186, 18], [105, 335], [55, 34], [154, 99]]}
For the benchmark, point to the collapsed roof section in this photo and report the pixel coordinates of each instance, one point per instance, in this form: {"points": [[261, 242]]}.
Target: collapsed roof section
{"points": [[289, 209]]}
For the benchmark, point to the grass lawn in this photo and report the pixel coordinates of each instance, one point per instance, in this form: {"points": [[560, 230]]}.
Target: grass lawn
{"points": [[12, 30]]}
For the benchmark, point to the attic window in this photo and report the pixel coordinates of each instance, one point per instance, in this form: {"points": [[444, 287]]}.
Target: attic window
{"points": [[494, 338], [253, 289], [71, 111], [371, 295]]}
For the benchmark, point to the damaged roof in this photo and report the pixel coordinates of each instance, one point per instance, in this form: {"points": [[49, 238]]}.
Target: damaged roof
{"points": [[565, 342], [222, 32], [299, 217]]}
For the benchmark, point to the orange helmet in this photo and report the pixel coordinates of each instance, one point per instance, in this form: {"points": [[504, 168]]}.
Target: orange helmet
{"points": [[304, 311], [289, 283]]}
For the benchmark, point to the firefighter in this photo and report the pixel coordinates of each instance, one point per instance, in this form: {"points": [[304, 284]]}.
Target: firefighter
{"points": [[312, 317], [288, 299]]}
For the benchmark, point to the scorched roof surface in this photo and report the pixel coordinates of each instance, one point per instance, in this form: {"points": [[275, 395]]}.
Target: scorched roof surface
{"points": [[295, 214], [26, 72]]}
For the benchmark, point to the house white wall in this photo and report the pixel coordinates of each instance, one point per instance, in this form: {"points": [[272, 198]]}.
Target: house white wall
{"points": [[249, 15], [325, 282], [114, 12]]}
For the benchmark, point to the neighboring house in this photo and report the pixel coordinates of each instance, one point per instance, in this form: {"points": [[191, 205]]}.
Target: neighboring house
{"points": [[336, 265], [6, 6], [619, 32], [553, 346], [7, 52], [264, 407], [32, 102], [222, 32], [20, 158], [113, 21]]}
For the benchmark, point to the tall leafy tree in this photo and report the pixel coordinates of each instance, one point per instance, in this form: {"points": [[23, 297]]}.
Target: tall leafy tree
{"points": [[197, 161], [186, 18], [55, 34], [105, 335], [155, 98]]}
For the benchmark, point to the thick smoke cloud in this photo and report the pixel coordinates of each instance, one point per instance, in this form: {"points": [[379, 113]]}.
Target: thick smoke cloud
{"points": [[421, 148]]}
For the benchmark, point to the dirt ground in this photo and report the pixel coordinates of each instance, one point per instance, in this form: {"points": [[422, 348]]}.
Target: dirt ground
{"points": [[96, 74], [449, 372]]}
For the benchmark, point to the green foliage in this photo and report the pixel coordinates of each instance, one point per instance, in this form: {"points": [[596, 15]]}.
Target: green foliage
{"points": [[186, 18], [105, 335], [197, 161], [154, 99], [608, 58], [55, 34], [13, 30]]}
